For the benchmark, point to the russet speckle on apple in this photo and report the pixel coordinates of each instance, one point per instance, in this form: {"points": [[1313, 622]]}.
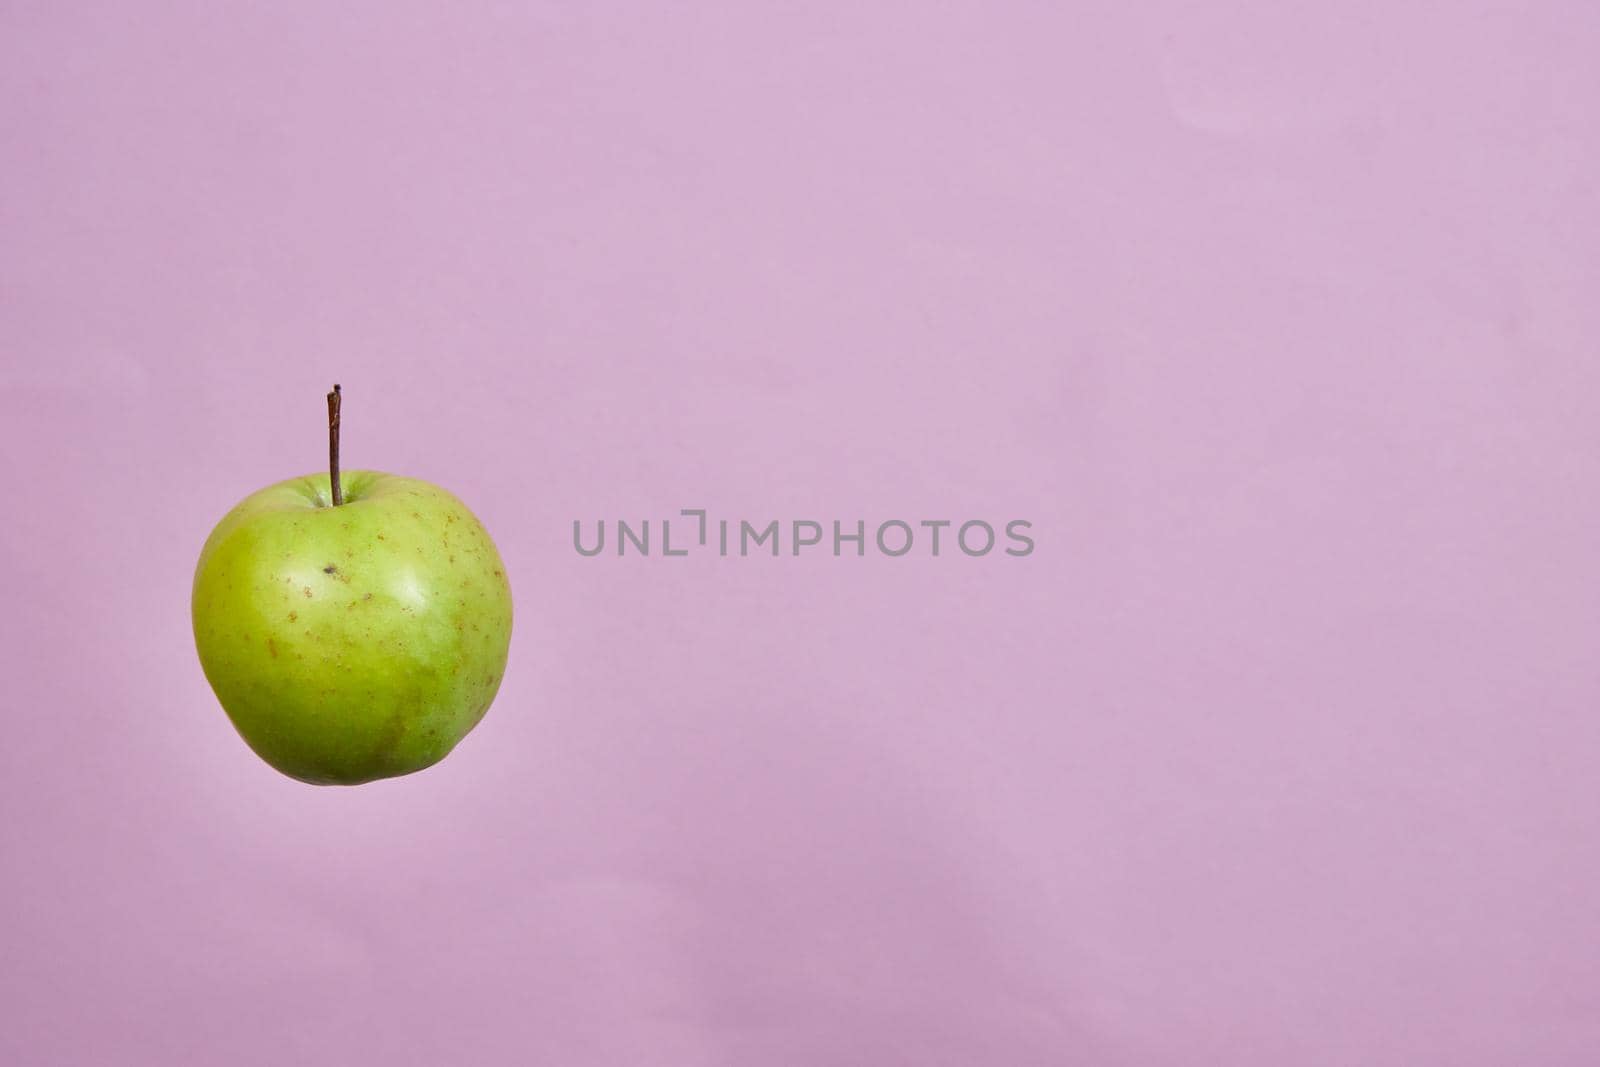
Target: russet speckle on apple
{"points": [[353, 626]]}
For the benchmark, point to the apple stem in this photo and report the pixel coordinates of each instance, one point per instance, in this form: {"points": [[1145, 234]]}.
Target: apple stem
{"points": [[333, 446]]}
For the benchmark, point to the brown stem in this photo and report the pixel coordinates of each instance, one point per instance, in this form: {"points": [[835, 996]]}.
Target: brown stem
{"points": [[333, 446]]}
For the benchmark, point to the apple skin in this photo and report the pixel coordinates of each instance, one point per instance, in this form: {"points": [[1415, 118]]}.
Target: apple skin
{"points": [[356, 642]]}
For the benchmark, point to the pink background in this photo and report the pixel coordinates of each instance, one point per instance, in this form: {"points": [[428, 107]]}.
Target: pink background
{"points": [[1278, 321]]}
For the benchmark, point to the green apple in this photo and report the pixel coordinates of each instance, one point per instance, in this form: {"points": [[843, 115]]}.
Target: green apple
{"points": [[354, 640]]}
